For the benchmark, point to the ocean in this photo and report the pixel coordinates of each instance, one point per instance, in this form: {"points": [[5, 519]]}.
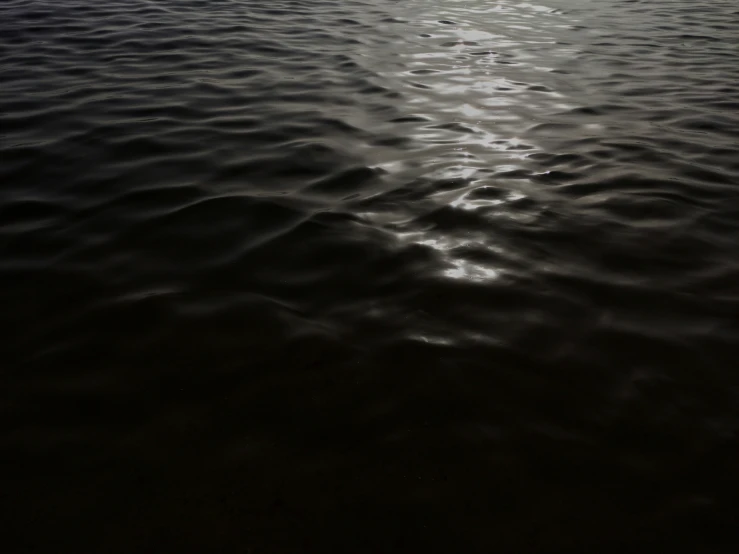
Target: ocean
{"points": [[369, 276]]}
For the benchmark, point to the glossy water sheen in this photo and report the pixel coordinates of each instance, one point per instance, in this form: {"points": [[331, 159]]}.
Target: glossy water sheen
{"points": [[354, 276]]}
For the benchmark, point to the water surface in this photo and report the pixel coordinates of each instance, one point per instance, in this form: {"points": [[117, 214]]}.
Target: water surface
{"points": [[369, 276]]}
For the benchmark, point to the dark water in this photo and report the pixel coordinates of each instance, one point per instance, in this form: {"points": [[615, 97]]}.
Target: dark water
{"points": [[356, 276]]}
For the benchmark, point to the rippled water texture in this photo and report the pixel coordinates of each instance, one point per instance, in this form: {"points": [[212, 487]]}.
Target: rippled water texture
{"points": [[357, 276]]}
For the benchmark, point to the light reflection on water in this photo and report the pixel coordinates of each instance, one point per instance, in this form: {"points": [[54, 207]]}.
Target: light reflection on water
{"points": [[478, 76]]}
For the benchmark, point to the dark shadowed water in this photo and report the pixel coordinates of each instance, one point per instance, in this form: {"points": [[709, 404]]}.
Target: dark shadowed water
{"points": [[369, 276]]}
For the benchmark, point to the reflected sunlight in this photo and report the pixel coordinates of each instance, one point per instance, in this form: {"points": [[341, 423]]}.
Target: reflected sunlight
{"points": [[476, 76]]}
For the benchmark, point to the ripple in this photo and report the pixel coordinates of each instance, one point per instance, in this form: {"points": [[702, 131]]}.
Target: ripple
{"points": [[300, 276]]}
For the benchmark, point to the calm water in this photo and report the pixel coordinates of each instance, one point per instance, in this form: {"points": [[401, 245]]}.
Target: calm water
{"points": [[310, 276]]}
